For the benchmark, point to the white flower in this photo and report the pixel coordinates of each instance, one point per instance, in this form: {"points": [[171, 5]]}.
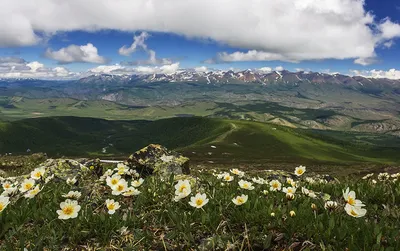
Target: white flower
{"points": [[133, 173], [291, 190], [246, 185], [137, 183], [112, 206], [258, 180], [9, 191], [4, 201], [166, 158], [72, 195], [69, 209], [38, 173], [237, 172], [122, 168], [33, 192], [71, 181], [289, 181], [272, 214], [222, 175], [350, 198], [131, 191], [330, 205], [120, 187], [228, 177], [26, 185], [198, 201], [355, 211], [7, 185], [109, 172], [300, 170], [113, 181], [367, 176], [383, 176], [240, 200], [275, 185], [312, 195], [182, 189], [182, 186], [292, 213]]}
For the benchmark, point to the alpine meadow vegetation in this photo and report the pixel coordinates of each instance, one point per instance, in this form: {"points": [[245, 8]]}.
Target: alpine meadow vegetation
{"points": [[209, 210]]}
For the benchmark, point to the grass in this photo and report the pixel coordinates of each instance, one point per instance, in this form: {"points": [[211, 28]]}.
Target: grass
{"points": [[153, 221], [235, 141]]}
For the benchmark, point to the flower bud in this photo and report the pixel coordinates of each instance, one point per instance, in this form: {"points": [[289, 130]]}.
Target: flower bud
{"points": [[290, 196]]}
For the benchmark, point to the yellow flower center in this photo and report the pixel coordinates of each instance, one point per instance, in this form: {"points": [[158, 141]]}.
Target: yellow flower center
{"points": [[114, 181], [120, 188], [28, 186], [68, 210], [300, 171], [240, 200], [111, 206], [37, 175], [183, 187], [351, 201], [352, 212], [1, 207], [227, 177], [245, 185], [7, 185], [199, 202], [275, 185]]}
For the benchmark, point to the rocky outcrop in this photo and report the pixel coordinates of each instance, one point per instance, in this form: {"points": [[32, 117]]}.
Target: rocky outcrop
{"points": [[156, 159]]}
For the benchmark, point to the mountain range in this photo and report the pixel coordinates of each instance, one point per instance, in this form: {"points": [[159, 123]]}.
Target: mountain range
{"points": [[295, 99]]}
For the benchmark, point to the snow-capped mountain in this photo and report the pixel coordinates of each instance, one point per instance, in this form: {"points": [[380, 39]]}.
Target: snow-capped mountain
{"points": [[242, 77]]}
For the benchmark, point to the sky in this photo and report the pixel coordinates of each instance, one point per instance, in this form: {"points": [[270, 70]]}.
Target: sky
{"points": [[55, 39]]}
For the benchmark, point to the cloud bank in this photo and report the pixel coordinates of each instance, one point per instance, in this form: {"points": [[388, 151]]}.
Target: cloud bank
{"points": [[286, 30], [12, 67]]}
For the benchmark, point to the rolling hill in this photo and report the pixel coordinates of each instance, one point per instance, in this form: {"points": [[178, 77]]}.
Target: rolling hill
{"points": [[232, 140]]}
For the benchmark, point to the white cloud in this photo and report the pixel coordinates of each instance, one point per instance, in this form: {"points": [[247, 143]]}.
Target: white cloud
{"points": [[139, 42], [388, 44], [252, 55], [289, 30], [201, 69], [279, 68], [365, 61], [265, 69], [390, 74], [19, 68], [107, 69], [121, 70], [389, 30], [75, 53]]}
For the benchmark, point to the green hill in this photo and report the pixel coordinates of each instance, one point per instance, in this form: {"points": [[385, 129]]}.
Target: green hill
{"points": [[234, 141]]}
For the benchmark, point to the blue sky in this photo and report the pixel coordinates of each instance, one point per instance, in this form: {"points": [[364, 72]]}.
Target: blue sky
{"points": [[233, 46]]}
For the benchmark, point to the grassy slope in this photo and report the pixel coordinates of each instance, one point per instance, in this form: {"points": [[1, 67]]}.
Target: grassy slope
{"points": [[235, 140]]}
